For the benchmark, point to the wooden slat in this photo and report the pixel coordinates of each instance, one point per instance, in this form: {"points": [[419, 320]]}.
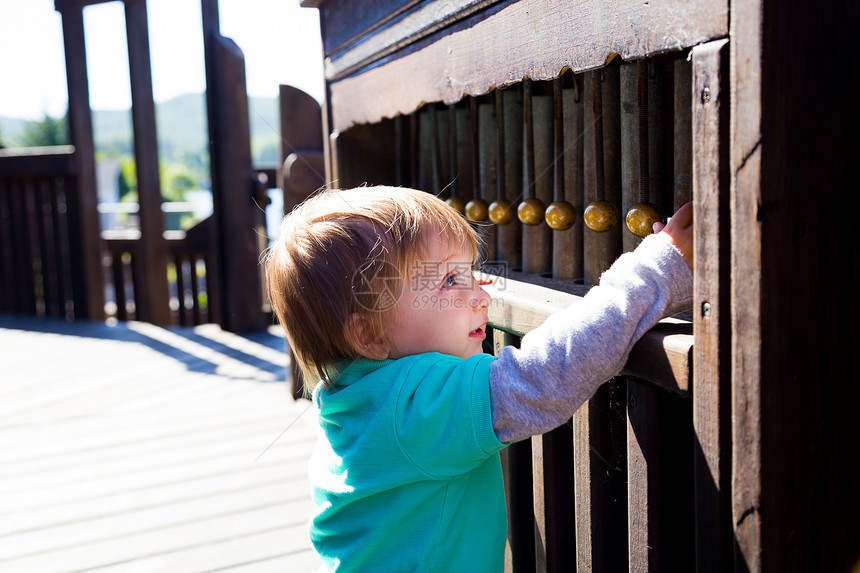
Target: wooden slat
{"points": [[54, 303], [552, 471], [711, 303], [599, 491], [659, 480], [519, 492], [22, 253], [8, 292], [571, 34], [61, 245], [33, 245], [397, 25], [683, 134], [348, 22]]}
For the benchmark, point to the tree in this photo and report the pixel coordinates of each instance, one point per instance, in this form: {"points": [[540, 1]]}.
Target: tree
{"points": [[49, 131]]}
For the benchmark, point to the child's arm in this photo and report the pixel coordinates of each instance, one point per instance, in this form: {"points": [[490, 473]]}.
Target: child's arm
{"points": [[560, 365]]}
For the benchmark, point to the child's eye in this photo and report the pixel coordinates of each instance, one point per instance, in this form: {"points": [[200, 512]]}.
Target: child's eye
{"points": [[450, 281]]}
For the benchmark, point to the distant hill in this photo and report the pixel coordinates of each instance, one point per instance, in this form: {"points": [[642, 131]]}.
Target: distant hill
{"points": [[180, 124]]}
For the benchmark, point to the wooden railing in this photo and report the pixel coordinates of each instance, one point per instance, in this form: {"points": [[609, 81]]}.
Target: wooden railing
{"points": [[187, 266], [41, 243], [42, 260], [611, 490]]}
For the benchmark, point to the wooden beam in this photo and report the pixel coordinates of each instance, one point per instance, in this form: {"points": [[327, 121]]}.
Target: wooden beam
{"points": [[38, 161], [457, 61], [69, 5], [85, 244], [152, 301]]}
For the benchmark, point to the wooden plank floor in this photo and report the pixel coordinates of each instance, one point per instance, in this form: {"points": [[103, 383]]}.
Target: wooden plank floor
{"points": [[137, 448]]}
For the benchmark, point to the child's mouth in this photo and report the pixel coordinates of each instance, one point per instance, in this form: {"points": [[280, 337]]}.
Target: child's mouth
{"points": [[477, 333]]}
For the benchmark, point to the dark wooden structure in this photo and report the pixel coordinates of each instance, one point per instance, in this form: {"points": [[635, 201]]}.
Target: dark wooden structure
{"points": [[729, 441], [51, 247]]}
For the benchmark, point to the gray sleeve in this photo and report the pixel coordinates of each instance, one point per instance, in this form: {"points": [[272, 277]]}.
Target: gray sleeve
{"points": [[560, 364]]}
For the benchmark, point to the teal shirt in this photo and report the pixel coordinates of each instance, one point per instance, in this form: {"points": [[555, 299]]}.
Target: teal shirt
{"points": [[406, 473]]}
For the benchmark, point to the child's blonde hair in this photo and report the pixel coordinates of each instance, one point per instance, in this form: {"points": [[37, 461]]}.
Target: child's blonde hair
{"points": [[343, 254]]}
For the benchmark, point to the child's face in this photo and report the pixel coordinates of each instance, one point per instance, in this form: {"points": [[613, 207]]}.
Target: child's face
{"points": [[442, 309]]}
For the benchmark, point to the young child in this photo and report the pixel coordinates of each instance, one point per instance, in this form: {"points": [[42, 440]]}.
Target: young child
{"points": [[374, 288]]}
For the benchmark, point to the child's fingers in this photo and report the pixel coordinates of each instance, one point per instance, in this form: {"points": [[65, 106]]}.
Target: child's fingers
{"points": [[683, 218], [657, 226]]}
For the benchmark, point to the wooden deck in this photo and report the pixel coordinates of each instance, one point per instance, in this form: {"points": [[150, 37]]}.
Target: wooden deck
{"points": [[138, 448]]}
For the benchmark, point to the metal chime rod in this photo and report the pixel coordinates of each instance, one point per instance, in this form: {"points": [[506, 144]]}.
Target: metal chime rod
{"points": [[642, 96]]}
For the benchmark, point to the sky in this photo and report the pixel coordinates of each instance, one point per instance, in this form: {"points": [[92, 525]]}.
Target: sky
{"points": [[280, 41]]}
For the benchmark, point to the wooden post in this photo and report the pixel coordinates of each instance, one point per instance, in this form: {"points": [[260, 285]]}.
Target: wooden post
{"points": [[302, 164], [711, 308], [794, 260], [152, 300], [302, 168], [238, 220], [85, 245]]}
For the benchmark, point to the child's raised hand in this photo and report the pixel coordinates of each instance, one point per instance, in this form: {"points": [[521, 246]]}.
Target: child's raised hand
{"points": [[680, 231]]}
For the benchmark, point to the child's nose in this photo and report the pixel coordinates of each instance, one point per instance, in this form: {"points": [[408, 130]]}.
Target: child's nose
{"points": [[481, 300]]}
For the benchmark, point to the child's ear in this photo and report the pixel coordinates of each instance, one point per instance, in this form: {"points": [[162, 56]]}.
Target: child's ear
{"points": [[365, 340]]}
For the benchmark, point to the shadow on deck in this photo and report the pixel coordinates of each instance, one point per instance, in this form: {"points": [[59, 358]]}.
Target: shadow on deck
{"points": [[139, 448]]}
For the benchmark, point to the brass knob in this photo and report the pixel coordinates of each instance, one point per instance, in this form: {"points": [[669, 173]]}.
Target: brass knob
{"points": [[560, 215], [531, 211], [476, 210], [641, 218], [600, 216], [501, 212], [457, 204]]}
